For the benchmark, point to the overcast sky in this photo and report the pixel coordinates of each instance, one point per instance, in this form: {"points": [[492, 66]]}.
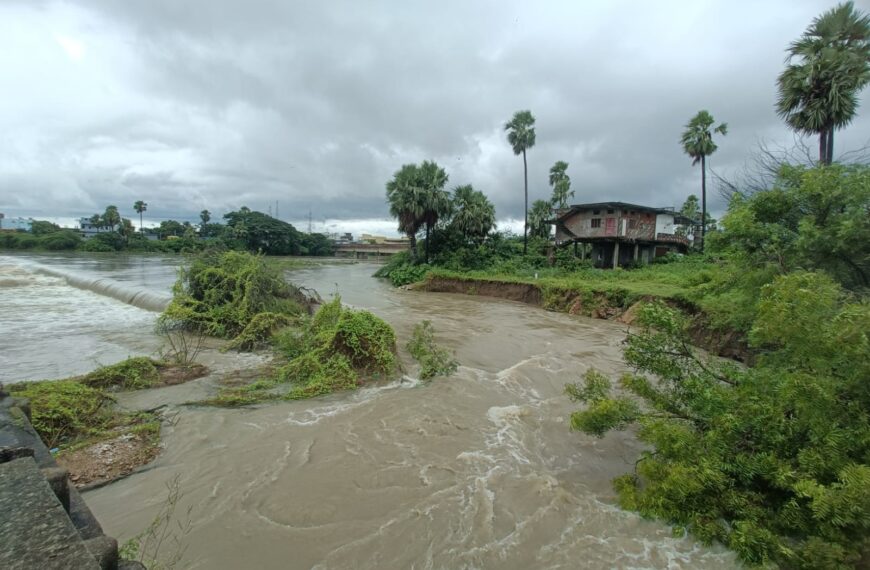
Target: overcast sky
{"points": [[217, 104]]}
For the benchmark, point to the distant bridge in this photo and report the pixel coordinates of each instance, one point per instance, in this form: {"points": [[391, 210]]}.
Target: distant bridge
{"points": [[369, 250]]}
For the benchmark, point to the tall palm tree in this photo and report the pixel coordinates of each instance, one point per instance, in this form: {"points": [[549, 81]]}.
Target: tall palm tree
{"points": [[436, 205], [561, 183], [521, 136], [826, 69], [205, 216], [407, 203], [697, 141], [140, 207], [473, 213], [96, 221]]}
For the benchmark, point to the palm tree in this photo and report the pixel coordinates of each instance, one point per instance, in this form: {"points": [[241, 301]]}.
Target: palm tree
{"points": [[111, 217], [407, 203], [561, 183], [473, 213], [538, 216], [819, 93], [96, 221], [521, 136], [140, 207], [436, 199], [205, 216], [698, 143]]}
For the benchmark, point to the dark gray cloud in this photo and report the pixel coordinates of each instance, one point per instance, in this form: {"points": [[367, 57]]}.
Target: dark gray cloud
{"points": [[217, 104]]}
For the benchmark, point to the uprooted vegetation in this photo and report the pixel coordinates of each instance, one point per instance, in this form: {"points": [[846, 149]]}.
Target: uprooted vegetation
{"points": [[237, 296], [434, 360], [336, 349]]}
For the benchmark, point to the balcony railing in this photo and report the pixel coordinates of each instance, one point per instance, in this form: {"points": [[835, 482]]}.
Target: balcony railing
{"points": [[672, 238]]}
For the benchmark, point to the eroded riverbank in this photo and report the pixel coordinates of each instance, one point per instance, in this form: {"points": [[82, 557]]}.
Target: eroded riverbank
{"points": [[475, 471]]}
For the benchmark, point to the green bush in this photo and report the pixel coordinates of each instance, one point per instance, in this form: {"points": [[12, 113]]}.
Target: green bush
{"points": [[434, 360], [62, 410], [131, 374], [221, 293], [772, 461]]}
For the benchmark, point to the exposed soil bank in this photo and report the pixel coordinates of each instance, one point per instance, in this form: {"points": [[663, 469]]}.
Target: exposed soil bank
{"points": [[612, 305]]}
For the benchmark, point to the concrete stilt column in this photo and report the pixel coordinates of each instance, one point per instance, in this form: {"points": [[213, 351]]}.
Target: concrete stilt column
{"points": [[615, 254], [636, 249]]}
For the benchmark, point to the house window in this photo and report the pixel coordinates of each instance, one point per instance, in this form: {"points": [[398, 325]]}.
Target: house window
{"points": [[596, 212], [596, 222], [609, 211]]}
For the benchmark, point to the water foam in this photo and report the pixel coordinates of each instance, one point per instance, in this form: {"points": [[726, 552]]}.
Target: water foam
{"points": [[135, 296]]}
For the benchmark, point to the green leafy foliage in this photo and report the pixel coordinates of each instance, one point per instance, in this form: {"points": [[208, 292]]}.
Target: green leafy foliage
{"points": [[222, 293], [434, 360], [131, 374], [811, 218], [335, 349], [770, 460], [63, 410]]}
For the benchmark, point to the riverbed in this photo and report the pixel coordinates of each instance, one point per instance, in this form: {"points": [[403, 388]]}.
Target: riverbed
{"points": [[479, 470]]}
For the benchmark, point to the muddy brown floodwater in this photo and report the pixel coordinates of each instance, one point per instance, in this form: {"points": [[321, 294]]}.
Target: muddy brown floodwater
{"points": [[479, 470]]}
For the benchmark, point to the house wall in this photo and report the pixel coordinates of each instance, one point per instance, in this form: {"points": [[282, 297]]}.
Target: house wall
{"points": [[665, 224], [629, 224]]}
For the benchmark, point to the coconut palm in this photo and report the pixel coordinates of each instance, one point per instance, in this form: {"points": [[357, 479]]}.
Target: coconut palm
{"points": [[697, 141], [407, 203], [96, 221], [140, 207], [561, 183], [521, 136], [205, 216], [473, 213], [538, 217], [827, 68]]}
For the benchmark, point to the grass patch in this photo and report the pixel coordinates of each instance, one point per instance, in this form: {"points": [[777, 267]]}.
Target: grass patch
{"points": [[434, 360], [65, 410], [131, 374]]}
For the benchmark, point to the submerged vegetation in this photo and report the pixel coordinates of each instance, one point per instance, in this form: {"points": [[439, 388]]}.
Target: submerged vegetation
{"points": [[434, 360], [336, 349], [67, 412]]}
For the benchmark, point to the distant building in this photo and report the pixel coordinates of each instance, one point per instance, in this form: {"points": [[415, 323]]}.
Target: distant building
{"points": [[342, 238], [380, 240], [16, 224], [621, 233], [87, 229]]}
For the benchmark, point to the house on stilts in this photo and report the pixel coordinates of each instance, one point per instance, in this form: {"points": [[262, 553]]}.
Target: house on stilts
{"points": [[621, 233]]}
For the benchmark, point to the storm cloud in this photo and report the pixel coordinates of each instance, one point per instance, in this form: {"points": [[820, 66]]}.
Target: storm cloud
{"points": [[217, 104]]}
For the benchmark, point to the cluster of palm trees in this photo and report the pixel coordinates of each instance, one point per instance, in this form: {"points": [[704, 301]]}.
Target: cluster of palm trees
{"points": [[818, 93], [418, 200]]}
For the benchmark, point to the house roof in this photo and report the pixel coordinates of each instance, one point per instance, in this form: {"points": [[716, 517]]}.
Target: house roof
{"points": [[678, 218]]}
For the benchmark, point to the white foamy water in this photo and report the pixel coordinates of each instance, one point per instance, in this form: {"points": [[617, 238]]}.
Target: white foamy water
{"points": [[62, 315]]}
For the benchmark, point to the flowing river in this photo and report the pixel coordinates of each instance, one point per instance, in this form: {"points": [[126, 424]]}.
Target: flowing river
{"points": [[479, 470]]}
